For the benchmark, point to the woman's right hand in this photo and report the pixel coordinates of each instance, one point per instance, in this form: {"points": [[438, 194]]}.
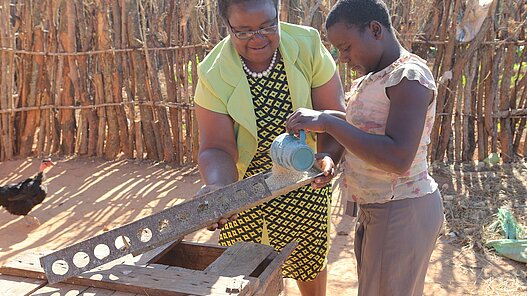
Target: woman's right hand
{"points": [[217, 225]]}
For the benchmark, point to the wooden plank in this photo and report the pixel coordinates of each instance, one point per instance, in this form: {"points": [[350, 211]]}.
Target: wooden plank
{"points": [[91, 291], [136, 279], [14, 285], [240, 259], [196, 256], [25, 265], [234, 286], [271, 278], [153, 281], [59, 289], [119, 293], [28, 265], [157, 266], [154, 255]]}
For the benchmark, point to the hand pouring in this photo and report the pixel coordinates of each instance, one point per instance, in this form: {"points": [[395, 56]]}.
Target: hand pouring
{"points": [[292, 153]]}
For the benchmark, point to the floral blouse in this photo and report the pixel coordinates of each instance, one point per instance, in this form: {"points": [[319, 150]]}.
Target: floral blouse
{"points": [[367, 110]]}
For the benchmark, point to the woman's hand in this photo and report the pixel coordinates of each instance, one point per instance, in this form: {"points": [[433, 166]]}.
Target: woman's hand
{"points": [[306, 119], [209, 188], [325, 163], [222, 222]]}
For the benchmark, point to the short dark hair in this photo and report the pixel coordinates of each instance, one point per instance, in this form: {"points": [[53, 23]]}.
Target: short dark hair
{"points": [[359, 13], [223, 7]]}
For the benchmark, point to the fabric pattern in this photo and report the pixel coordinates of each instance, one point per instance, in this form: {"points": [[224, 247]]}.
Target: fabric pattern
{"points": [[368, 109], [301, 215]]}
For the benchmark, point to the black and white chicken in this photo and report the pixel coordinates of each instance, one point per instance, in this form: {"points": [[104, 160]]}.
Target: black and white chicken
{"points": [[20, 199]]}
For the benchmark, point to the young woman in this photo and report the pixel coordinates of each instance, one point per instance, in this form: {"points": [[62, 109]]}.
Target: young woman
{"points": [[385, 130]]}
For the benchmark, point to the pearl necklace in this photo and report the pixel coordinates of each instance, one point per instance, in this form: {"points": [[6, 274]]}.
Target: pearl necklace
{"points": [[265, 72]]}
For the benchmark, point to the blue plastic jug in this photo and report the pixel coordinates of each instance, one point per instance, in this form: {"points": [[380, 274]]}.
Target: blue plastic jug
{"points": [[292, 153]]}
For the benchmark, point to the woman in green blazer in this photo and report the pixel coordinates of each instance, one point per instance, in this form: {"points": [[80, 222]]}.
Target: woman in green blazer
{"points": [[248, 85]]}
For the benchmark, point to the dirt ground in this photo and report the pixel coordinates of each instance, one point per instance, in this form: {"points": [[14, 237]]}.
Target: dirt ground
{"points": [[89, 196]]}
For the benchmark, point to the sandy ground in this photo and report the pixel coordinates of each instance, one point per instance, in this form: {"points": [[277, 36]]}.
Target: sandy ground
{"points": [[88, 196]]}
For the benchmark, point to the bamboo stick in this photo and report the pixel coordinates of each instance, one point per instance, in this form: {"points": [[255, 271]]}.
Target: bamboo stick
{"points": [[470, 71], [54, 134], [118, 81], [469, 141], [50, 66], [435, 136], [523, 121], [524, 98], [458, 135], [105, 63], [209, 44], [41, 137], [505, 104], [68, 41], [188, 117], [101, 112], [138, 65], [127, 80], [26, 40], [516, 101], [139, 139], [10, 82], [165, 145], [88, 141], [442, 36], [170, 78], [35, 84], [179, 86], [155, 119], [493, 102], [505, 98], [445, 98], [521, 104], [5, 142], [195, 131], [47, 132]]}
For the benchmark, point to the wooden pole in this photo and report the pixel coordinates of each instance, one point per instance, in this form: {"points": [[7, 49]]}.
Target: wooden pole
{"points": [[128, 81], [68, 42], [118, 81], [446, 97], [35, 82], [6, 78], [469, 140], [135, 40], [105, 65], [89, 133], [435, 136], [164, 143]]}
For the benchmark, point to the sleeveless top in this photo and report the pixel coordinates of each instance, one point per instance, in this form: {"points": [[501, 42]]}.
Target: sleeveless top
{"points": [[367, 110]]}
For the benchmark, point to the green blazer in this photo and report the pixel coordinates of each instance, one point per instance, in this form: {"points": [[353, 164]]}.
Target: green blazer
{"points": [[223, 86]]}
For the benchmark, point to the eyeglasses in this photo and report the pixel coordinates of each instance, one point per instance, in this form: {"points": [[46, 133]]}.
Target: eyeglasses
{"points": [[246, 35]]}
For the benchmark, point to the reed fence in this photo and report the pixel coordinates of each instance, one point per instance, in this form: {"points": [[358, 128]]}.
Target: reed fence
{"points": [[97, 78], [115, 78]]}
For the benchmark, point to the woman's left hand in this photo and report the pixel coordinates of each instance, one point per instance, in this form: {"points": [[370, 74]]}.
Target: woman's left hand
{"points": [[306, 119], [325, 163]]}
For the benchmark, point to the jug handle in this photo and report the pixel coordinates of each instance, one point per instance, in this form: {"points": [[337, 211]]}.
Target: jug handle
{"points": [[302, 134]]}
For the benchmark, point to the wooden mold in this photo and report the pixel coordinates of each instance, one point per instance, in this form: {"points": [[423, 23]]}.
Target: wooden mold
{"points": [[179, 268]]}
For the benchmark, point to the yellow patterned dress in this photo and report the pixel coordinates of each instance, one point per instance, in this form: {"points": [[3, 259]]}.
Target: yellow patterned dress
{"points": [[301, 215]]}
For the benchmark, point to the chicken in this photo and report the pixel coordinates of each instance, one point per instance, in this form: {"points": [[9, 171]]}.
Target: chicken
{"points": [[20, 199]]}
